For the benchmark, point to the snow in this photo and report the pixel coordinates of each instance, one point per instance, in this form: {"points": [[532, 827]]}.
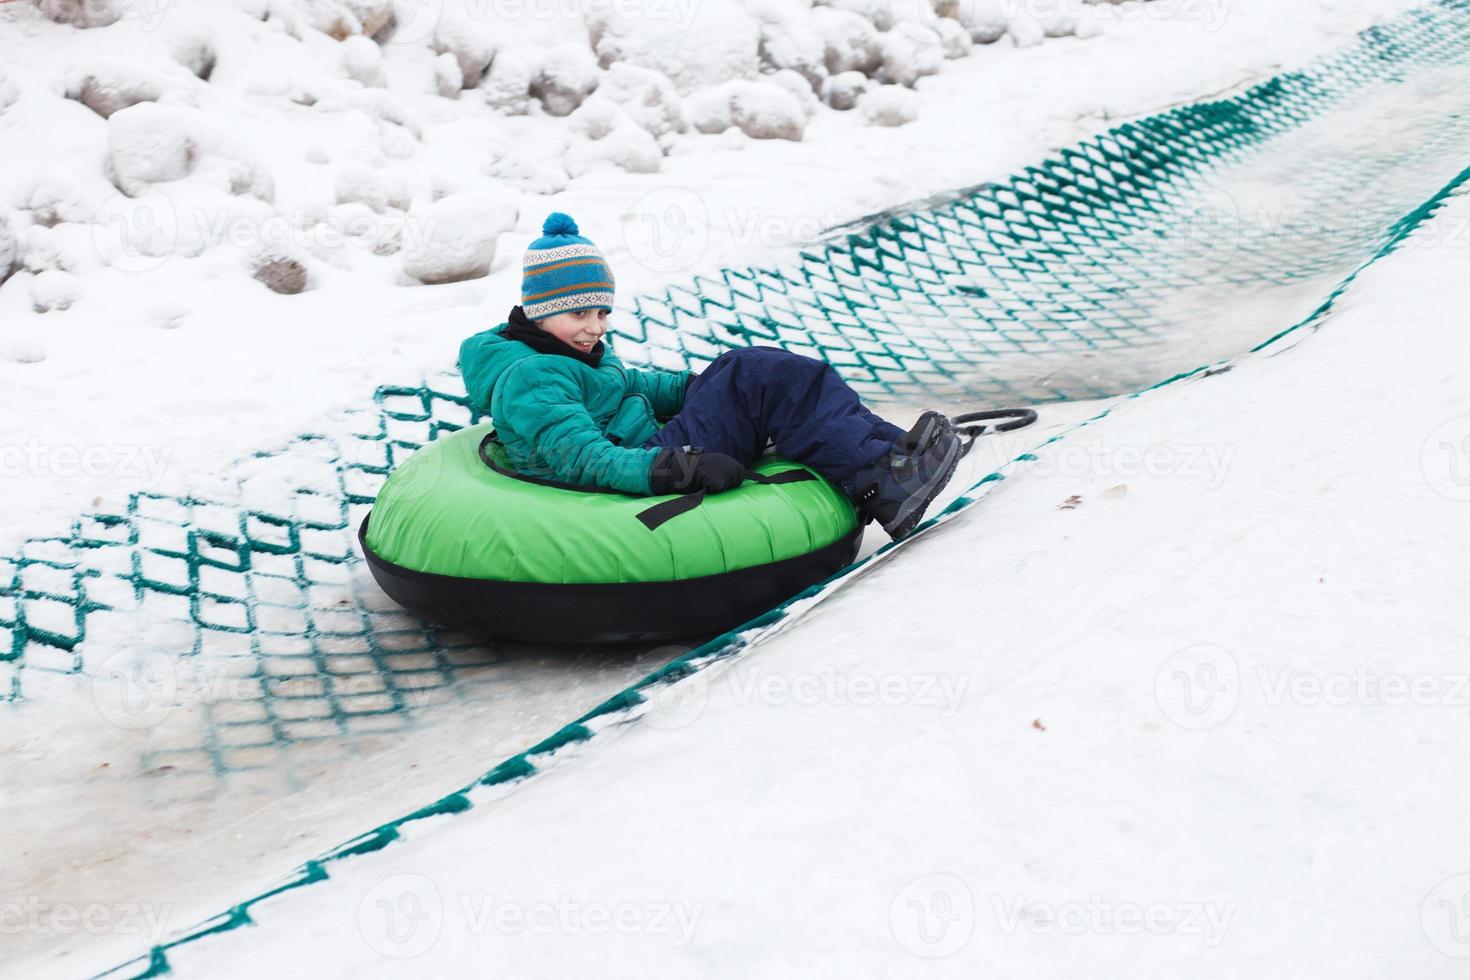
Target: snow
{"points": [[172, 350], [1256, 679]]}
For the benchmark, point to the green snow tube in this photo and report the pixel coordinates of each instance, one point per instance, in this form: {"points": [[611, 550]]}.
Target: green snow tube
{"points": [[460, 538]]}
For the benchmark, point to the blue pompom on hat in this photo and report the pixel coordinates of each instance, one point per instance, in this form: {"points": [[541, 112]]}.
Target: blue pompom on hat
{"points": [[564, 272]]}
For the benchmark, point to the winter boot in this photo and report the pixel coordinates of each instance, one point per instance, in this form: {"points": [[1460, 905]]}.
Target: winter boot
{"points": [[896, 490]]}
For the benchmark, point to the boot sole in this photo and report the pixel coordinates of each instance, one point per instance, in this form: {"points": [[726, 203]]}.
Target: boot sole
{"points": [[913, 508]]}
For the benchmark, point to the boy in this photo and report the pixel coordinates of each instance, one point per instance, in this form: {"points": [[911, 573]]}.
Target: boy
{"points": [[567, 409]]}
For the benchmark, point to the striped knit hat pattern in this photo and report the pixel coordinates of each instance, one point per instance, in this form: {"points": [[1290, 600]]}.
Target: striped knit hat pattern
{"points": [[564, 272]]}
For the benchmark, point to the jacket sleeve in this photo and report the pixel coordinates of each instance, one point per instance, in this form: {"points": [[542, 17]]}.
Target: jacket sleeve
{"points": [[545, 407], [663, 389]]}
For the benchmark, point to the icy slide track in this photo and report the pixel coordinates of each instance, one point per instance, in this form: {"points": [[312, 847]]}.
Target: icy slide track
{"points": [[248, 683]]}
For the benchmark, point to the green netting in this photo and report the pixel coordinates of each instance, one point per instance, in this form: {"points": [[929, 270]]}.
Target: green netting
{"points": [[1085, 276]]}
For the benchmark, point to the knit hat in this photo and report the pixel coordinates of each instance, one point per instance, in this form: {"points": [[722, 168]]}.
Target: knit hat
{"points": [[564, 272]]}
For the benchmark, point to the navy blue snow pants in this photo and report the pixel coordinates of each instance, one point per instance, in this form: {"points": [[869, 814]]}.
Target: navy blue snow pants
{"points": [[753, 395]]}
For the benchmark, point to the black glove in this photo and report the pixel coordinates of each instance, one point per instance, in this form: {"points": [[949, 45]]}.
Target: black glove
{"points": [[690, 470]]}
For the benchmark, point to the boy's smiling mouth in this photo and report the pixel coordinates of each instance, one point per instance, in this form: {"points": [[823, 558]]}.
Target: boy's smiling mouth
{"points": [[584, 346]]}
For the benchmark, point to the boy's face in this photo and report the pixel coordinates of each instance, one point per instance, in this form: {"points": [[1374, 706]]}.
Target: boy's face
{"points": [[581, 329]]}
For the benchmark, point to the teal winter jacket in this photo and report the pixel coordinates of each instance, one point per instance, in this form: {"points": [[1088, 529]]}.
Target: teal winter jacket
{"points": [[564, 420]]}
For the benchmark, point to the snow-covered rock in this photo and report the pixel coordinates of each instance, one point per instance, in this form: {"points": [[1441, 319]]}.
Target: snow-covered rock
{"points": [[761, 110], [84, 13], [910, 52], [9, 89], [280, 271], [448, 79], [1058, 22], [1025, 30], [568, 74], [470, 44], [110, 84], [797, 84], [851, 41], [645, 96], [377, 189], [985, 20], [194, 49], [517, 166], [342, 19], [8, 249], [148, 144], [790, 39], [879, 13], [153, 144], [44, 249], [54, 290], [362, 60], [695, 45], [626, 146], [842, 91], [454, 238], [766, 111], [889, 105], [709, 109], [954, 40], [507, 85], [52, 199], [361, 227], [597, 117]]}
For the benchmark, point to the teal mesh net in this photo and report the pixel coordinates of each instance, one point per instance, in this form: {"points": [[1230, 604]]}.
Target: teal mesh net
{"points": [[1146, 250]]}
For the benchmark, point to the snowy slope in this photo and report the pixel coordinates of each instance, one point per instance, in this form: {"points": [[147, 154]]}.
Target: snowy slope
{"points": [[174, 368], [168, 366], [1189, 717]]}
